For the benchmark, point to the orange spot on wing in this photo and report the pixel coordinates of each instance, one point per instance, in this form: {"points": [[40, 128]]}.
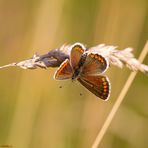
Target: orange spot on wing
{"points": [[96, 56], [105, 86], [105, 90], [92, 55]]}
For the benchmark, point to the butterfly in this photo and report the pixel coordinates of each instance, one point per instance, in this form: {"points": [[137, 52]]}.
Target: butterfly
{"points": [[87, 68]]}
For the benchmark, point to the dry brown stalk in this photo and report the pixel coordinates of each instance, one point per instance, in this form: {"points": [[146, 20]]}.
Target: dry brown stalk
{"points": [[118, 101]]}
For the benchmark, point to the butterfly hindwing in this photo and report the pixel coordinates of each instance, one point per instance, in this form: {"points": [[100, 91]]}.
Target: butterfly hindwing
{"points": [[94, 64], [64, 71], [98, 85], [76, 53]]}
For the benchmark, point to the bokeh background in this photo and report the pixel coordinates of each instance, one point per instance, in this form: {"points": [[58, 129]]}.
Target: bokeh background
{"points": [[34, 111]]}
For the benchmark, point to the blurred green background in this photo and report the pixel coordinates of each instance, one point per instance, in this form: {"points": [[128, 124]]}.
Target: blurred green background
{"points": [[34, 111]]}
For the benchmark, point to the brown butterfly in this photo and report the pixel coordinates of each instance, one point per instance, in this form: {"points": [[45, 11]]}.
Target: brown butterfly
{"points": [[87, 69]]}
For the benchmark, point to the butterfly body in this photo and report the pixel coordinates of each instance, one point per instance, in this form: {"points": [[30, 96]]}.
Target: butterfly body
{"points": [[77, 71], [87, 69]]}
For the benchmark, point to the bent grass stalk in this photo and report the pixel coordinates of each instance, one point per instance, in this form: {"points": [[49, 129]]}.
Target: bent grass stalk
{"points": [[119, 100]]}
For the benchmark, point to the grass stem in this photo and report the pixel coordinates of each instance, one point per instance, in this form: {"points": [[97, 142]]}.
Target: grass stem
{"points": [[118, 101]]}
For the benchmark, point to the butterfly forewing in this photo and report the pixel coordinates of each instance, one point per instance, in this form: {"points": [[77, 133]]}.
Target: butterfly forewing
{"points": [[98, 85], [64, 71], [76, 53], [94, 64]]}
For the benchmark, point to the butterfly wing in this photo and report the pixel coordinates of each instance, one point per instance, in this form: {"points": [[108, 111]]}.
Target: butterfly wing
{"points": [[98, 85], [64, 71], [94, 64], [76, 53]]}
